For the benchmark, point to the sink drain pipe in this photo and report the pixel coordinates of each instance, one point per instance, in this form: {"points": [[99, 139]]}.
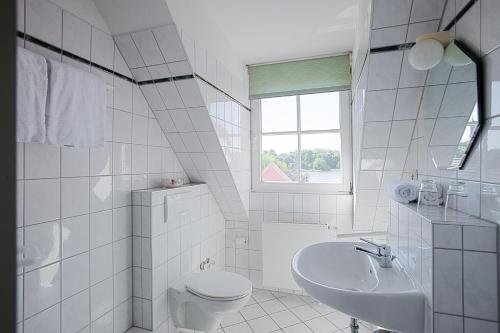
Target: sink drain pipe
{"points": [[354, 325]]}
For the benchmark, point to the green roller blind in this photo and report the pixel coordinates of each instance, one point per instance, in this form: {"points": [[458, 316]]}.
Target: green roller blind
{"points": [[300, 77]]}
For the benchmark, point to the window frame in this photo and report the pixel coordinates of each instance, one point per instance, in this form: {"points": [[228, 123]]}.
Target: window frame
{"points": [[345, 131]]}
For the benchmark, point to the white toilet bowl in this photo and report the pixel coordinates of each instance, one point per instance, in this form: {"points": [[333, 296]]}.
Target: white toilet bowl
{"points": [[202, 299]]}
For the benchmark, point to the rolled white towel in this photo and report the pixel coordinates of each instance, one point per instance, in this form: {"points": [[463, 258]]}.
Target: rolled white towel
{"points": [[432, 199], [401, 191]]}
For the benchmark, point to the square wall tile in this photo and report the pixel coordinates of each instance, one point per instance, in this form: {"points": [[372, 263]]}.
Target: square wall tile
{"points": [[101, 263], [41, 289], [479, 238], [48, 320], [376, 134], [468, 28], [103, 48], [76, 35], [447, 236], [426, 10], [148, 47], [41, 201], [490, 32], [140, 130], [129, 51], [386, 13], [74, 196], [101, 299], [384, 69], [170, 43], [448, 281], [75, 274], [74, 161], [122, 126], [407, 103], [75, 312], [448, 324], [476, 325], [388, 36], [101, 189], [44, 21], [42, 243], [401, 133], [379, 105], [75, 235], [101, 228], [41, 161], [480, 285]]}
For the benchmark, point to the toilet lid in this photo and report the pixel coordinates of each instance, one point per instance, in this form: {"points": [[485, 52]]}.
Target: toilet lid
{"points": [[219, 285]]}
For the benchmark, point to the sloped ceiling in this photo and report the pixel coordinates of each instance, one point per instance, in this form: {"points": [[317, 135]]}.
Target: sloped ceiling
{"points": [[159, 61]]}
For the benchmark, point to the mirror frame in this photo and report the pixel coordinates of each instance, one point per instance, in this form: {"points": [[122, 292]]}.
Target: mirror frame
{"points": [[480, 94]]}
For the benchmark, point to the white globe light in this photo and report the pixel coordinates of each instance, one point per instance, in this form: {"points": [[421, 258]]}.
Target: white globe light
{"points": [[426, 54]]}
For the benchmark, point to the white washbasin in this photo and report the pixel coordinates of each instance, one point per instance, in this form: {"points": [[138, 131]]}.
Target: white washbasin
{"points": [[352, 282]]}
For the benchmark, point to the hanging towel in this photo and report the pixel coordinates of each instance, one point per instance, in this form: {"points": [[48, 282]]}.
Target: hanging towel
{"points": [[403, 192], [76, 107], [31, 96]]}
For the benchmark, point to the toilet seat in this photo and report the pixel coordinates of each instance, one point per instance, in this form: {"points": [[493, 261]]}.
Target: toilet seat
{"points": [[219, 286]]}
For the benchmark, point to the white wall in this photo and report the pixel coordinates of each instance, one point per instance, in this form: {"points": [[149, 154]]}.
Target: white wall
{"points": [[124, 16], [479, 29], [84, 9], [387, 93], [165, 252], [194, 20], [74, 204]]}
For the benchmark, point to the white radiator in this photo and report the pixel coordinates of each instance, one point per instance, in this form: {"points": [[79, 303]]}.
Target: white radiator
{"points": [[280, 242]]}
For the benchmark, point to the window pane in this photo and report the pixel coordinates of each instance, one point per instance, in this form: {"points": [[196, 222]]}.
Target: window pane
{"points": [[279, 114], [320, 111], [320, 157], [279, 158]]}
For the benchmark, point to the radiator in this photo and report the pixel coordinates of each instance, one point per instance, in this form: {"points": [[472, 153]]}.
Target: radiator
{"points": [[280, 242]]}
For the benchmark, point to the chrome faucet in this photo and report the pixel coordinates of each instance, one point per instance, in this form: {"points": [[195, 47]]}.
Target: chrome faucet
{"points": [[383, 255]]}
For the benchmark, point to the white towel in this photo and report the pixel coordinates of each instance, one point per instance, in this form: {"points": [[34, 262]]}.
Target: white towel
{"points": [[31, 96], [403, 192], [76, 107]]}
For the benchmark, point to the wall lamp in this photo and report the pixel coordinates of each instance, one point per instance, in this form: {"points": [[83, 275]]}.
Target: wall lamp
{"points": [[430, 49]]}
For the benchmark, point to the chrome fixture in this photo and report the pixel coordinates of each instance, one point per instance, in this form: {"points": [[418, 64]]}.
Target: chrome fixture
{"points": [[383, 255], [354, 325], [206, 264]]}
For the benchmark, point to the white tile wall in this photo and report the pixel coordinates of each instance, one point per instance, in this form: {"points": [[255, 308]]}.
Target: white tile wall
{"points": [[457, 274], [75, 206], [389, 103], [479, 172], [377, 103], [246, 258], [185, 239]]}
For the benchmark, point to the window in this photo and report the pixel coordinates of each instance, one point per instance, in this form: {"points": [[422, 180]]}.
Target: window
{"points": [[302, 140]]}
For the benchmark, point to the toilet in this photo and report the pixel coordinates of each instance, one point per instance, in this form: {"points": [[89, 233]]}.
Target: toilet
{"points": [[201, 300]]}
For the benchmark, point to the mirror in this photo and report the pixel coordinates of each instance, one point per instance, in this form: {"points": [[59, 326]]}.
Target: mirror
{"points": [[451, 108]]}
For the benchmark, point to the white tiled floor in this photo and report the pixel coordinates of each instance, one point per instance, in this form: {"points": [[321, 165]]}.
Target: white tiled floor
{"points": [[270, 311]]}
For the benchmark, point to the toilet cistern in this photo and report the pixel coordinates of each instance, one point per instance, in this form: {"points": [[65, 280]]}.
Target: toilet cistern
{"points": [[383, 255]]}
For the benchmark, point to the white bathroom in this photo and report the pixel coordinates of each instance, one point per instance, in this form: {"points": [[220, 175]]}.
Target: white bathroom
{"points": [[226, 166]]}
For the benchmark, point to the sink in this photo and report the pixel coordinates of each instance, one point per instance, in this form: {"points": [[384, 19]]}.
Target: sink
{"points": [[352, 282]]}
